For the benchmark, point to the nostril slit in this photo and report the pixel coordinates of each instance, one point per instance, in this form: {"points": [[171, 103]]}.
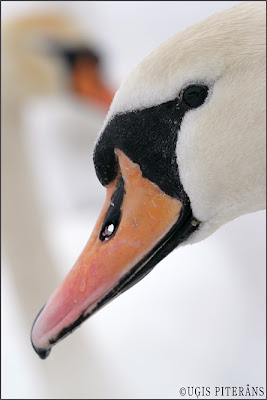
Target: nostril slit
{"points": [[113, 215], [108, 231], [110, 228]]}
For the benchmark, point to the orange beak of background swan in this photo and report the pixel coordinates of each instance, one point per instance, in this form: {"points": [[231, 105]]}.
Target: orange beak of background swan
{"points": [[84, 70], [134, 232], [87, 83]]}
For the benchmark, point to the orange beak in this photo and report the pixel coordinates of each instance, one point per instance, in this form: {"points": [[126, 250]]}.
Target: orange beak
{"points": [[86, 82], [83, 66], [136, 228]]}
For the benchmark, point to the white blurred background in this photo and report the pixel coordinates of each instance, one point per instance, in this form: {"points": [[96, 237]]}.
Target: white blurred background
{"points": [[198, 319]]}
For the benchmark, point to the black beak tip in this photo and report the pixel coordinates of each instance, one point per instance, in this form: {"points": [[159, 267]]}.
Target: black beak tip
{"points": [[42, 353]]}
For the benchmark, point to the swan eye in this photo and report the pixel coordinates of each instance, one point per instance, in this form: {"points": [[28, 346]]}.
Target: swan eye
{"points": [[195, 95]]}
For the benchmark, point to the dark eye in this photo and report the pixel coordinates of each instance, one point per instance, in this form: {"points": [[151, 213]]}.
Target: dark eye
{"points": [[195, 95]]}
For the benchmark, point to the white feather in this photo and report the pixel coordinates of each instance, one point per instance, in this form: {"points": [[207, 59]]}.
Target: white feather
{"points": [[221, 145]]}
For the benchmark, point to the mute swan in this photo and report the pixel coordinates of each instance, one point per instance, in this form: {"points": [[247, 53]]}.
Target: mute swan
{"points": [[181, 152], [43, 54]]}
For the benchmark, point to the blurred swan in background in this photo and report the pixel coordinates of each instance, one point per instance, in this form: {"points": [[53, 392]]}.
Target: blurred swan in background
{"points": [[44, 55]]}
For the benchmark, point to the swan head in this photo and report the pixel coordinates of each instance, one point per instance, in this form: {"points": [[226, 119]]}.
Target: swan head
{"points": [[47, 54], [181, 152], [220, 145]]}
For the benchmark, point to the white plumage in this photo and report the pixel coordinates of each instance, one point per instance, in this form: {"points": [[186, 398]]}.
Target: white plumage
{"points": [[220, 146]]}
